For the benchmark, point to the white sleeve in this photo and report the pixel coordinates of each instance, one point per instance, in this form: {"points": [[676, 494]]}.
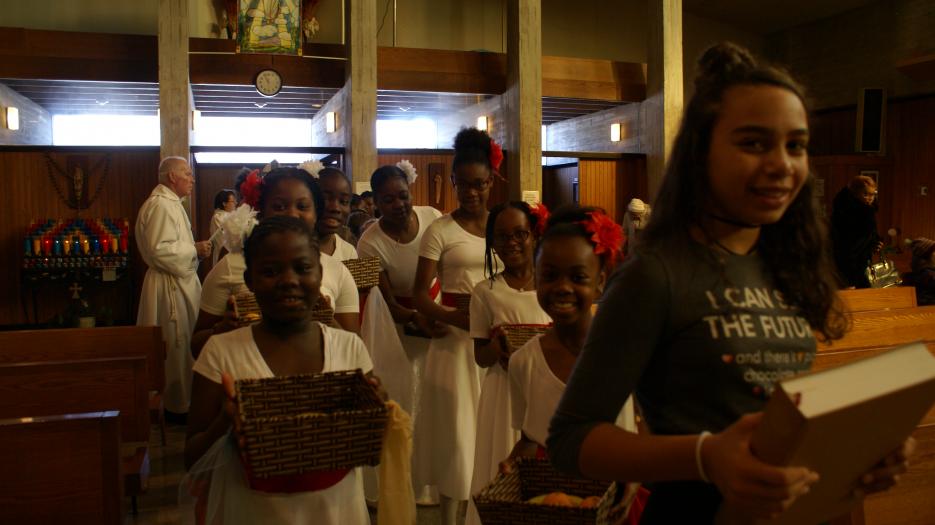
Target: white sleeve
{"points": [[433, 242], [158, 233], [209, 360], [347, 300], [361, 356], [517, 375], [216, 288], [366, 249], [481, 318]]}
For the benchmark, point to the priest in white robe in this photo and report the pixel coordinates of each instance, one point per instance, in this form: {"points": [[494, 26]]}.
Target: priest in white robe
{"points": [[171, 289]]}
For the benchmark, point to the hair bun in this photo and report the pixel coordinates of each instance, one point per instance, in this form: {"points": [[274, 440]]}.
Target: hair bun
{"points": [[723, 60], [472, 138]]}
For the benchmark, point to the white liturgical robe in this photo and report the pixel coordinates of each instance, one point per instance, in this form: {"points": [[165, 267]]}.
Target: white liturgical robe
{"points": [[171, 289]]}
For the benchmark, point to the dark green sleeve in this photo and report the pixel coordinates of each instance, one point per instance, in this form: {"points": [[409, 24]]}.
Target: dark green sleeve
{"points": [[629, 325]]}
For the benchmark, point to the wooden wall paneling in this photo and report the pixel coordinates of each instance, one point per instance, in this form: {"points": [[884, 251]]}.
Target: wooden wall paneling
{"points": [[558, 185], [597, 184], [910, 139], [908, 166], [611, 183], [130, 179]]}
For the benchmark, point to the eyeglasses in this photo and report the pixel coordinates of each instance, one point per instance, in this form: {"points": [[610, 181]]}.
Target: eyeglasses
{"points": [[519, 236], [481, 185]]}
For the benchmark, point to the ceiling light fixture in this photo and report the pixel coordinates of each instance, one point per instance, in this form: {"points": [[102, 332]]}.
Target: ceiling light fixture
{"points": [[615, 132], [482, 123], [331, 122]]}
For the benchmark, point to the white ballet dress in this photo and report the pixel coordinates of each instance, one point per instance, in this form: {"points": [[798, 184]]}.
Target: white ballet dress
{"points": [[452, 381], [399, 261]]}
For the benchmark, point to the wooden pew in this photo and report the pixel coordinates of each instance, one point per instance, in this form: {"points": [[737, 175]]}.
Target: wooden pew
{"points": [[70, 344], [66, 387], [61, 468], [912, 501], [874, 299]]}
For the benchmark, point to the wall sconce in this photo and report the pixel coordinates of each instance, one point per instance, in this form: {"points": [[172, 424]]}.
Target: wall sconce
{"points": [[12, 118], [615, 132], [482, 123], [331, 122], [196, 119]]}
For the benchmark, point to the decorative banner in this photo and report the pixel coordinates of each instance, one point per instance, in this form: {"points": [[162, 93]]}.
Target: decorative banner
{"points": [[269, 26]]}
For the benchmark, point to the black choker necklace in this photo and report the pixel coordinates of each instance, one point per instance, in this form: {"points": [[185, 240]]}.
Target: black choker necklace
{"points": [[732, 222], [732, 252]]}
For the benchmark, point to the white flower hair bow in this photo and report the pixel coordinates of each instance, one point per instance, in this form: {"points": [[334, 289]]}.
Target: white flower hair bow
{"points": [[312, 167], [409, 170]]}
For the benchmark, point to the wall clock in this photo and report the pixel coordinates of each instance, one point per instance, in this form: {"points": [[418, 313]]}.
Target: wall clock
{"points": [[268, 83]]}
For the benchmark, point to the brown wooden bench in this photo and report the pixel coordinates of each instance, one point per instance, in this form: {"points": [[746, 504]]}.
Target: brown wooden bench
{"points": [[67, 387], [61, 468], [912, 501], [72, 344], [876, 299]]}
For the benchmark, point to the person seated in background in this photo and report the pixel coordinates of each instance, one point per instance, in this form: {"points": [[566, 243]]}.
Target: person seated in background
{"points": [[854, 234], [922, 275]]}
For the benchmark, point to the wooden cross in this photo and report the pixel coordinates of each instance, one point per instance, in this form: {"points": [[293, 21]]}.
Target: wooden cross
{"points": [[74, 289]]}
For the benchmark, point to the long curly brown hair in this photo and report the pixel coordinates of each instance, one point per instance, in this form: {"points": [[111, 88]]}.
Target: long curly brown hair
{"points": [[795, 249]]}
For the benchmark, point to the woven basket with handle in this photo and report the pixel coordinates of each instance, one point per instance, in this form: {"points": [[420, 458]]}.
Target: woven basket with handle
{"points": [[297, 424]]}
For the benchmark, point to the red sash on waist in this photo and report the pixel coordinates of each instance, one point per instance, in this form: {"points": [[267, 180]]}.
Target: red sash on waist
{"points": [[406, 302], [455, 300], [306, 482]]}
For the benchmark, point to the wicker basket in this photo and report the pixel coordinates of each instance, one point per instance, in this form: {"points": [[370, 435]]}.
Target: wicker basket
{"points": [[324, 313], [516, 335], [292, 425], [505, 501], [366, 271], [245, 307]]}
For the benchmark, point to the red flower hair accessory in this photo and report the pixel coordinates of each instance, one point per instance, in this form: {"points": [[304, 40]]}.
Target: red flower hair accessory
{"points": [[606, 235], [541, 213], [250, 189], [496, 155]]}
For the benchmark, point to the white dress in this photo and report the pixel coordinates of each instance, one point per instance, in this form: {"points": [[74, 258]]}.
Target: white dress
{"points": [[535, 392], [230, 500], [217, 219], [343, 250], [452, 381], [495, 303], [400, 262], [171, 290], [226, 279]]}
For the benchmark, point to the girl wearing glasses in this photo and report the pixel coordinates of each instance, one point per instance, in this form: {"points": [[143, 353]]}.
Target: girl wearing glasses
{"points": [[453, 250], [508, 297]]}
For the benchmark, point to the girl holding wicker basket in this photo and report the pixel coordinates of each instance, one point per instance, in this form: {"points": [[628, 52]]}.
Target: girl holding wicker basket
{"points": [[284, 273], [504, 304]]}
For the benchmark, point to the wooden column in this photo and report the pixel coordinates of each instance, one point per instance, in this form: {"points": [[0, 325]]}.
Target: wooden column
{"points": [[522, 101], [359, 116], [661, 112], [175, 107]]}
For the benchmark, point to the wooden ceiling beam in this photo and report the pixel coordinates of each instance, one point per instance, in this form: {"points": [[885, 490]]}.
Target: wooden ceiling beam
{"points": [[64, 55], [67, 55]]}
